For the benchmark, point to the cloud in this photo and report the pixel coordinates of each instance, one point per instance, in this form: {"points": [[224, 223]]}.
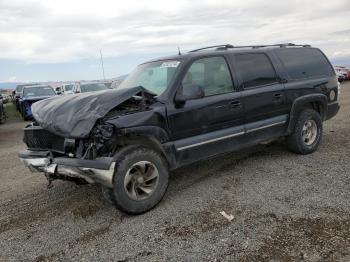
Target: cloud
{"points": [[37, 31], [12, 79]]}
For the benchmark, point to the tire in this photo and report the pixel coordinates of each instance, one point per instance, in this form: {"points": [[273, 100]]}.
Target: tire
{"points": [[302, 141], [135, 167]]}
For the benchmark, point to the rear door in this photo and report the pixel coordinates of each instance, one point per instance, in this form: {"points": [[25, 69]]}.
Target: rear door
{"points": [[262, 94]]}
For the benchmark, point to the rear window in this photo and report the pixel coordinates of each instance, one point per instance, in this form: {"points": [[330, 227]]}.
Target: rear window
{"points": [[255, 70], [303, 63]]}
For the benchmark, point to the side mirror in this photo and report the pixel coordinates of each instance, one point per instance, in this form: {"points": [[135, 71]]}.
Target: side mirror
{"points": [[191, 92], [1, 97]]}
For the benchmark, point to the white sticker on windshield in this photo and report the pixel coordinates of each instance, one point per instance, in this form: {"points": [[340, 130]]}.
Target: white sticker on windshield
{"points": [[170, 64]]}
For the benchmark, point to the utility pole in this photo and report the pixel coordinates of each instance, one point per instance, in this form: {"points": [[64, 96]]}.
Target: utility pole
{"points": [[103, 68]]}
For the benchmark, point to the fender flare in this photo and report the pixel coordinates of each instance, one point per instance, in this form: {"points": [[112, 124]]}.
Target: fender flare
{"points": [[299, 104]]}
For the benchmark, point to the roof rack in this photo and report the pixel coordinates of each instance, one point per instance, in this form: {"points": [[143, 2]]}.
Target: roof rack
{"points": [[227, 46], [213, 46], [280, 45]]}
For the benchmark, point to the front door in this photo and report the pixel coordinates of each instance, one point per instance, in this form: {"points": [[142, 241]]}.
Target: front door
{"points": [[199, 126]]}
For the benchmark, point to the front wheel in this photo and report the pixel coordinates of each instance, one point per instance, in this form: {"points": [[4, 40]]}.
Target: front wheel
{"points": [[307, 133], [140, 180]]}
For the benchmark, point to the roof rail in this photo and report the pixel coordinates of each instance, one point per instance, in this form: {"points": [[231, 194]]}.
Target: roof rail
{"points": [[213, 46], [223, 47], [280, 45]]}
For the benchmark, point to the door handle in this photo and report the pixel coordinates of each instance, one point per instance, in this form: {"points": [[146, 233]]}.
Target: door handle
{"points": [[236, 103], [277, 96]]}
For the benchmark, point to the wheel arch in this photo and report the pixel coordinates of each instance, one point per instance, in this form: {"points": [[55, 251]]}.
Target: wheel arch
{"points": [[150, 136], [317, 102]]}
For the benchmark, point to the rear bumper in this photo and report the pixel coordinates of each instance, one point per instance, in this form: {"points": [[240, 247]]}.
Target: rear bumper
{"points": [[92, 171], [332, 110]]}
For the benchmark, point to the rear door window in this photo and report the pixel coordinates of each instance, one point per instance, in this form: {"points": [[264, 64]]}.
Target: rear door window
{"points": [[303, 63], [255, 70]]}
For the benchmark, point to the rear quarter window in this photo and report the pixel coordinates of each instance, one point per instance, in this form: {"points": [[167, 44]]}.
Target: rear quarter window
{"points": [[301, 63]]}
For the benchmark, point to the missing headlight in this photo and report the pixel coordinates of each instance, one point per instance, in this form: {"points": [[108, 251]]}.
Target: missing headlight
{"points": [[102, 141], [69, 145], [102, 132]]}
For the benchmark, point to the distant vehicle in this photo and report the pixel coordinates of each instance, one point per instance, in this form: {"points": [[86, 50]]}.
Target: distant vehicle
{"points": [[108, 84], [65, 89], [5, 98], [2, 111], [343, 73], [341, 76], [58, 90], [89, 87], [17, 94], [32, 94], [117, 82]]}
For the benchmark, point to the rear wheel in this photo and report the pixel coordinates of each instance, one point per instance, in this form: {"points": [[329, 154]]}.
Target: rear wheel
{"points": [[140, 180], [307, 133]]}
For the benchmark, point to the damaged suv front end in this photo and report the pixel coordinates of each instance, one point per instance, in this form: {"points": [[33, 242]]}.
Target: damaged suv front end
{"points": [[76, 139], [116, 138]]}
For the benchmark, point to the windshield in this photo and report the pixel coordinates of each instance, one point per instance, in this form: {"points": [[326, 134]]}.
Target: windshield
{"points": [[68, 87], [19, 88], [38, 91], [154, 76], [92, 87]]}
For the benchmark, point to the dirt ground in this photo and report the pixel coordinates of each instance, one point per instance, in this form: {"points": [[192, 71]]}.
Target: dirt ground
{"points": [[286, 207]]}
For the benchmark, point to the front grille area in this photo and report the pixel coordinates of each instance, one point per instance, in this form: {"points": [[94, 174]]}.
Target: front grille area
{"points": [[36, 138]]}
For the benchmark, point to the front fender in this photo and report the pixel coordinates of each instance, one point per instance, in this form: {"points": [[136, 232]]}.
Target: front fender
{"points": [[147, 131]]}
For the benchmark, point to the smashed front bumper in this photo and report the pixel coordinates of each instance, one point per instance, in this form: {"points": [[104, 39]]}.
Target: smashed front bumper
{"points": [[92, 171]]}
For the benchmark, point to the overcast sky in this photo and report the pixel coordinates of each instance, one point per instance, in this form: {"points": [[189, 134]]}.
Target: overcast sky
{"points": [[61, 39]]}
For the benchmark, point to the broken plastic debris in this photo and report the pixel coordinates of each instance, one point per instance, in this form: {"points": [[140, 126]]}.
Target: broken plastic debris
{"points": [[228, 217]]}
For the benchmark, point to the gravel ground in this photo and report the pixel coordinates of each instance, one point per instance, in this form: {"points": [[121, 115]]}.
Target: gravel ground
{"points": [[286, 207]]}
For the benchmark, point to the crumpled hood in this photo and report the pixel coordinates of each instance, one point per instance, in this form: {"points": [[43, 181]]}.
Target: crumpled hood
{"points": [[74, 116]]}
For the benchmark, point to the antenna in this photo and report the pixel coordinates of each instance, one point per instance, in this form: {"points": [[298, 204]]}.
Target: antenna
{"points": [[103, 68], [178, 48]]}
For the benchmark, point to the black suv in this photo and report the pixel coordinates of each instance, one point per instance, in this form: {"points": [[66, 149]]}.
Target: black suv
{"points": [[177, 110]]}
